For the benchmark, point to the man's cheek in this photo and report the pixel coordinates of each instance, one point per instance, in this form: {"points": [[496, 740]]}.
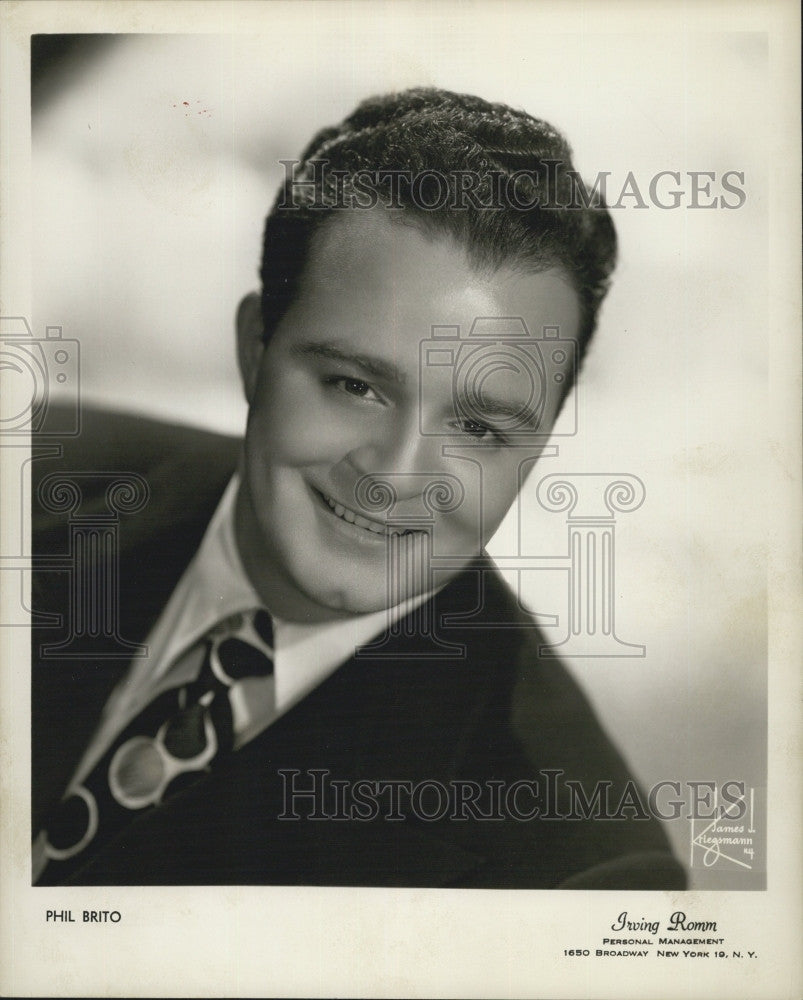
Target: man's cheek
{"points": [[298, 437], [312, 445]]}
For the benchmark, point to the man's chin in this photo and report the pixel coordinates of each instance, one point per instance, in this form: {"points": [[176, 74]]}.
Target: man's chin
{"points": [[350, 601], [351, 604]]}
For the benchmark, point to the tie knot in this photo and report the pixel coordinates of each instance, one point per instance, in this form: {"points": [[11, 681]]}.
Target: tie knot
{"points": [[242, 646], [254, 619]]}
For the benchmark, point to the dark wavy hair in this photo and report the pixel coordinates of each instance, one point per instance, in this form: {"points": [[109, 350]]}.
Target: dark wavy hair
{"points": [[423, 131]]}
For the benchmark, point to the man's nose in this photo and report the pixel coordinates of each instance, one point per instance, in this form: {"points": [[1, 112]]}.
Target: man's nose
{"points": [[408, 459]]}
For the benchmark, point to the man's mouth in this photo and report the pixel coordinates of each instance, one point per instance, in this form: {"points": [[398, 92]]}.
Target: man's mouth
{"points": [[358, 520]]}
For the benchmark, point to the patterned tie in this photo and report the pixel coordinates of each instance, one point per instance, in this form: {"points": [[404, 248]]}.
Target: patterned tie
{"points": [[170, 744]]}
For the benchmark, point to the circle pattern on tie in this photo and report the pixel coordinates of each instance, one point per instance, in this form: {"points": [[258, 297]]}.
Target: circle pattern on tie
{"points": [[73, 826], [138, 770]]}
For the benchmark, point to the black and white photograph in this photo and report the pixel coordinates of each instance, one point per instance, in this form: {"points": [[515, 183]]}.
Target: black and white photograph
{"points": [[401, 460]]}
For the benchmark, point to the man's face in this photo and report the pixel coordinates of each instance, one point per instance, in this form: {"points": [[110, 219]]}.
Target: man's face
{"points": [[345, 403]]}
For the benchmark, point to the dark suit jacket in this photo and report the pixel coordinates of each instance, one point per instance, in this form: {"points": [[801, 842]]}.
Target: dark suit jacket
{"points": [[498, 714]]}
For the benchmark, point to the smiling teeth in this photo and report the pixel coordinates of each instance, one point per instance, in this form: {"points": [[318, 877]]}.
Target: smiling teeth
{"points": [[357, 519]]}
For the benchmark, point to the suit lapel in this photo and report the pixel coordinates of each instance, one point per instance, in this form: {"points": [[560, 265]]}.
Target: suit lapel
{"points": [[156, 544]]}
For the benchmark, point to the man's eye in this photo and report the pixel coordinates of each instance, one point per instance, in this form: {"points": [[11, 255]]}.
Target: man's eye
{"points": [[481, 432], [353, 387], [475, 429]]}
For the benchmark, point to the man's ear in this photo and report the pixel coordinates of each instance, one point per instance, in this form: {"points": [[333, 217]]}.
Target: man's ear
{"points": [[249, 342]]}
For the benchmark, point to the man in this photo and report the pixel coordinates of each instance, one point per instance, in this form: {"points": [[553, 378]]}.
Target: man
{"points": [[338, 689]]}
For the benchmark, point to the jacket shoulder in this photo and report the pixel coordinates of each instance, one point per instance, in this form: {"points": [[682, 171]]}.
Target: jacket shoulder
{"points": [[110, 440], [177, 467], [116, 515], [585, 821]]}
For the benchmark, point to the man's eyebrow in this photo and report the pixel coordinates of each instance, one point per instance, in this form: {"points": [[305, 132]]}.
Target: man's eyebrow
{"points": [[369, 363]]}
